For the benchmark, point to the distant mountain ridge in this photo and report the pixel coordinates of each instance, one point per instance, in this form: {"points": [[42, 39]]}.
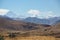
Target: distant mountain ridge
{"points": [[36, 20], [49, 21]]}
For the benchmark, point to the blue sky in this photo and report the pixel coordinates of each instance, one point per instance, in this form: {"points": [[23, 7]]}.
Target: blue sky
{"points": [[26, 8]]}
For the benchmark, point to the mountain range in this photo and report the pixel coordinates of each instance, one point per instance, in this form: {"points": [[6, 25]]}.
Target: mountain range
{"points": [[49, 21], [36, 20], [8, 24]]}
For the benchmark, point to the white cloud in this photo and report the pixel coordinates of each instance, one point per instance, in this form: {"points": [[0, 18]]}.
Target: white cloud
{"points": [[3, 11], [34, 13], [50, 14], [37, 13]]}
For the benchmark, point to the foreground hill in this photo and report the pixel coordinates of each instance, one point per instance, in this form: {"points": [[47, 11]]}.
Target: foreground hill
{"points": [[10, 24]]}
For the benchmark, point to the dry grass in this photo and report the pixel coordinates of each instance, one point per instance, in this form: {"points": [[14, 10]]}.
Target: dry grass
{"points": [[32, 38], [57, 38]]}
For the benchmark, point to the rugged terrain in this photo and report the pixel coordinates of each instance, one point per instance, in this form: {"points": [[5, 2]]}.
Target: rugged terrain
{"points": [[8, 25]]}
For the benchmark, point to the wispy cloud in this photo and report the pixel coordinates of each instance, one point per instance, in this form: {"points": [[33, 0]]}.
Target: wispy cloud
{"points": [[34, 12], [37, 13], [3, 11], [50, 14]]}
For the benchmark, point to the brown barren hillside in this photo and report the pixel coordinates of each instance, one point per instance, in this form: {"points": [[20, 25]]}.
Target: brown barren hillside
{"points": [[6, 24], [31, 29]]}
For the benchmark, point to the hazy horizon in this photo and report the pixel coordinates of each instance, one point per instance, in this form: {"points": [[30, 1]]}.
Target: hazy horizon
{"points": [[30, 8]]}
